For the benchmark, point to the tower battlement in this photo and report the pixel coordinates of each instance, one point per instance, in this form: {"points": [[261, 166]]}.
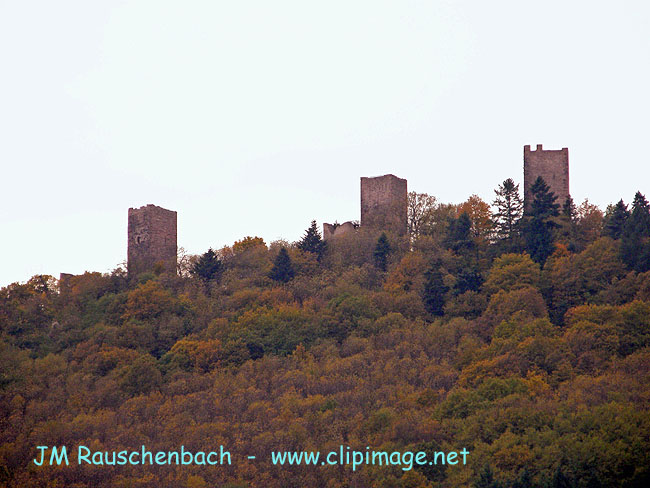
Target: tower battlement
{"points": [[552, 166], [151, 239]]}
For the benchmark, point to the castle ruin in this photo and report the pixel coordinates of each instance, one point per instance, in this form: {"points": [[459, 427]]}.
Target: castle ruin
{"points": [[336, 230], [151, 240], [384, 203], [552, 166]]}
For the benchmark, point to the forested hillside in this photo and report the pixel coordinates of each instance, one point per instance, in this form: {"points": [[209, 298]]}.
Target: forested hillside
{"points": [[523, 337]]}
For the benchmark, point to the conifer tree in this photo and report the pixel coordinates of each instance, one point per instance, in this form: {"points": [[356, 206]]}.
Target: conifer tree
{"points": [[433, 294], [208, 266], [312, 241], [459, 237], [382, 250], [568, 224], [539, 225], [282, 270], [615, 220], [509, 210], [635, 248]]}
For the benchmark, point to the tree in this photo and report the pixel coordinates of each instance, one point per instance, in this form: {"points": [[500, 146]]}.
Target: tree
{"points": [[282, 270], [539, 225], [420, 213], [459, 238], [635, 248], [208, 267], [433, 295], [509, 210], [567, 232], [312, 241], [480, 217], [615, 219], [382, 250]]}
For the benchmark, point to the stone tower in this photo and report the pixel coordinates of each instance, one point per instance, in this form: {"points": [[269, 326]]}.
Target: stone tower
{"points": [[553, 166], [383, 203], [152, 239]]}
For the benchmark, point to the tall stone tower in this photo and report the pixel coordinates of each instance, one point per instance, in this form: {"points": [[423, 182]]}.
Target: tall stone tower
{"points": [[553, 166], [152, 239], [383, 203]]}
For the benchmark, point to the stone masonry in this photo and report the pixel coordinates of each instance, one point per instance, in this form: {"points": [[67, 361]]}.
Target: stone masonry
{"points": [[151, 240], [336, 230], [552, 166], [384, 203]]}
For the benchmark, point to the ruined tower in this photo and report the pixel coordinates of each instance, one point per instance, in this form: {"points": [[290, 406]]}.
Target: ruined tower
{"points": [[552, 166], [152, 239], [383, 203]]}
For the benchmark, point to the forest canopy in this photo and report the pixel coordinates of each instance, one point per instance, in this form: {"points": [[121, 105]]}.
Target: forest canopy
{"points": [[521, 335]]}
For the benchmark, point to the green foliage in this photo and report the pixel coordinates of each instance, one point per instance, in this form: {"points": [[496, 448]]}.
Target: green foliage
{"points": [[615, 219], [539, 223], [282, 270], [433, 295], [542, 374], [635, 248], [208, 266], [509, 211], [382, 250], [312, 241]]}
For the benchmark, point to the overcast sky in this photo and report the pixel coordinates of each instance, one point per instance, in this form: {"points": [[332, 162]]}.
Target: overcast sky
{"points": [[253, 118]]}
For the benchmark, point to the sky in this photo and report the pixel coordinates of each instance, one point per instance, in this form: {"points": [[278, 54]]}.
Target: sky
{"points": [[255, 117]]}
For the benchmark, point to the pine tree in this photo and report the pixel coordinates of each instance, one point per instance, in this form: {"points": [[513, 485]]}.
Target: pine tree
{"points": [[382, 250], [635, 248], [568, 231], [208, 266], [615, 220], [433, 295], [539, 224], [312, 241], [509, 211], [459, 237], [282, 270]]}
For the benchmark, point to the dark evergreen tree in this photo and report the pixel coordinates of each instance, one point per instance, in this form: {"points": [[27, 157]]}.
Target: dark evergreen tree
{"points": [[382, 250], [509, 210], [459, 236], [569, 209], [560, 480], [468, 279], [568, 231], [524, 480], [615, 220], [208, 267], [540, 223], [282, 270], [486, 479], [635, 248], [433, 295], [312, 241]]}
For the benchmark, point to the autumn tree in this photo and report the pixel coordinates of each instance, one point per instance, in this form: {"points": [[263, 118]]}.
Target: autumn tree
{"points": [[420, 213], [480, 217], [282, 270]]}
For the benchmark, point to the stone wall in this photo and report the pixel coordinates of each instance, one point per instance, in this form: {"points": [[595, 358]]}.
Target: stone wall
{"points": [[336, 230], [384, 203], [151, 239], [553, 166]]}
